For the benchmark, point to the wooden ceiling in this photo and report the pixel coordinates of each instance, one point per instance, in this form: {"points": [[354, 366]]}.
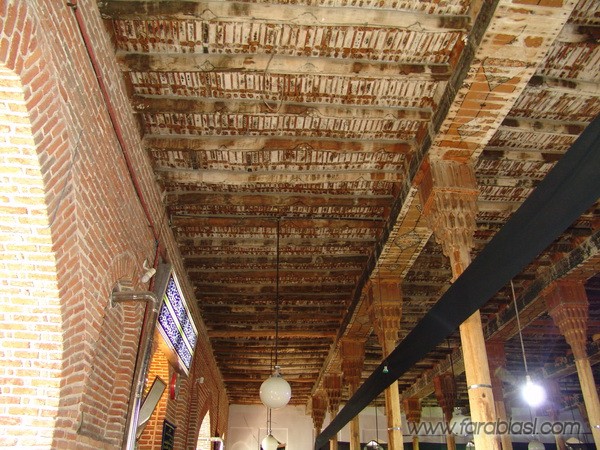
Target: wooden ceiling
{"points": [[317, 117]]}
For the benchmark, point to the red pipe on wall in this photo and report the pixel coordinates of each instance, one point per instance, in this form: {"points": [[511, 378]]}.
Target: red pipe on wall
{"points": [[115, 123]]}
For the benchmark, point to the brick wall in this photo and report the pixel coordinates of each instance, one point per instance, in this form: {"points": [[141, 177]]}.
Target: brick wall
{"points": [[71, 227]]}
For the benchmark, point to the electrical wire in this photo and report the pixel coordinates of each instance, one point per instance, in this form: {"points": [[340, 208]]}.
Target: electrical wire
{"points": [[512, 287]]}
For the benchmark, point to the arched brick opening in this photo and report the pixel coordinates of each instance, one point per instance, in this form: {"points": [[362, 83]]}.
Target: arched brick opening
{"points": [[30, 306], [105, 399], [203, 441]]}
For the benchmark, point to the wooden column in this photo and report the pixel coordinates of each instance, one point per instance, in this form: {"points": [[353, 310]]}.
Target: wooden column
{"points": [[445, 394], [568, 306], [385, 308], [353, 358], [497, 362], [449, 195], [412, 409], [333, 388], [319, 408], [553, 408]]}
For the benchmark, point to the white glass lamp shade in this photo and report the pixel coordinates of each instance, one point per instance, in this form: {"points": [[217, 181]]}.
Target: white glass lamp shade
{"points": [[269, 443], [275, 392], [533, 393], [535, 445]]}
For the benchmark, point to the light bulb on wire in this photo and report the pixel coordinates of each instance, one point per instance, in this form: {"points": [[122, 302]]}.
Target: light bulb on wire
{"points": [[533, 394]]}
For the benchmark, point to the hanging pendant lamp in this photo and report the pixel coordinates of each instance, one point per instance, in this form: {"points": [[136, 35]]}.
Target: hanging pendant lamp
{"points": [[275, 392], [269, 443]]}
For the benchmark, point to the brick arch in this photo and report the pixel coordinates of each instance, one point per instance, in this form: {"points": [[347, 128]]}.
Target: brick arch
{"points": [[30, 303], [104, 401]]}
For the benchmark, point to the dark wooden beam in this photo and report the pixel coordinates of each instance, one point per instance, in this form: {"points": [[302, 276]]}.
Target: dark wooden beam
{"points": [[278, 64]]}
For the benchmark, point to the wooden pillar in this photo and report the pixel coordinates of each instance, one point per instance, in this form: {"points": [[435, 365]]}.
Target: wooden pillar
{"points": [[385, 308], [449, 195], [568, 306], [445, 394], [553, 408], [319, 408], [497, 362], [353, 357], [333, 388], [412, 409]]}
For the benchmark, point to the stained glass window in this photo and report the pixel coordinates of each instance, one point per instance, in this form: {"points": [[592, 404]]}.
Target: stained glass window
{"points": [[176, 325]]}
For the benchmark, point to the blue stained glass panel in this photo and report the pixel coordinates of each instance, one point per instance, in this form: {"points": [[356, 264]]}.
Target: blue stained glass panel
{"points": [[176, 323]]}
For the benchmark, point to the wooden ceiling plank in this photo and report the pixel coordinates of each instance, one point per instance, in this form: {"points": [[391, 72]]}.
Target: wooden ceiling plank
{"points": [[297, 14]]}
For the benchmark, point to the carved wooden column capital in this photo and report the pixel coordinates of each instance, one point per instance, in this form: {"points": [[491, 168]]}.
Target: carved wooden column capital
{"points": [[412, 409], [353, 358], [385, 309], [445, 393], [319, 408], [333, 388], [568, 306], [449, 192]]}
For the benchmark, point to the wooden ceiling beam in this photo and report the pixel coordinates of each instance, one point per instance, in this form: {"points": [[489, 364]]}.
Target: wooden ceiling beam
{"points": [[578, 88], [279, 64], [196, 247], [209, 262], [342, 290], [245, 224], [523, 155], [252, 397], [269, 144], [292, 14], [276, 199], [527, 125], [198, 105], [270, 334], [317, 175]]}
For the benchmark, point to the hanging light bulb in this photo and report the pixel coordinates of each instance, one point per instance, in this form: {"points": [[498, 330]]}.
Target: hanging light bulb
{"points": [[535, 445], [275, 392], [533, 393], [269, 443]]}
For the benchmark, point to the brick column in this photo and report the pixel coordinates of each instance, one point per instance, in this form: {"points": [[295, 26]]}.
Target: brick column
{"points": [[497, 362], [353, 358], [568, 306], [333, 388], [445, 394], [385, 308], [412, 409], [449, 195]]}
